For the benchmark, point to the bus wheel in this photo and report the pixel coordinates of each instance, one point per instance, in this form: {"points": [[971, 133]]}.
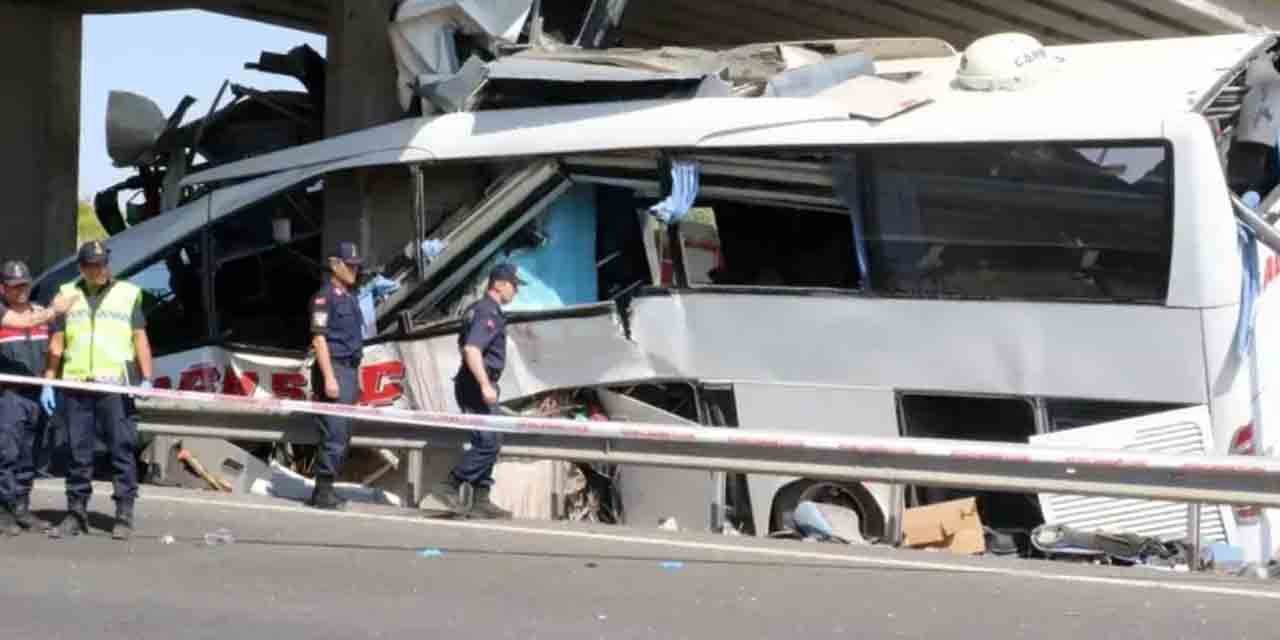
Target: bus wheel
{"points": [[851, 495]]}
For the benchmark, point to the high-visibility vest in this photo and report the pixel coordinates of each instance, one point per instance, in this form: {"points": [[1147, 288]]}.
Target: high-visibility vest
{"points": [[99, 344]]}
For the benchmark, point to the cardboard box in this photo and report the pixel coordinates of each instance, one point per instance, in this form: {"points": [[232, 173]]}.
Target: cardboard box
{"points": [[954, 526]]}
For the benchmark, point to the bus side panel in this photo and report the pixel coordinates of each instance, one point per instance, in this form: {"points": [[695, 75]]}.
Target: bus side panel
{"points": [[1205, 268], [1243, 404]]}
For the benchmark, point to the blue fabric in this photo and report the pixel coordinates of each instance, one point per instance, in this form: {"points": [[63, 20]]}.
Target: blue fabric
{"points": [[846, 184], [433, 247], [561, 272], [47, 400], [1250, 287], [369, 296], [684, 192]]}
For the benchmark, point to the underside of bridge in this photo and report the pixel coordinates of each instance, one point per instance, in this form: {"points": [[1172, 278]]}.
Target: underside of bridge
{"points": [[40, 44]]}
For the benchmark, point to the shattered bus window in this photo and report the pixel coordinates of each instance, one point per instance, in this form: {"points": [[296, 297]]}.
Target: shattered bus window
{"points": [[173, 300], [1033, 221]]}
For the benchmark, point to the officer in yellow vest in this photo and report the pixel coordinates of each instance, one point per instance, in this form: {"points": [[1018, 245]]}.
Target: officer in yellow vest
{"points": [[103, 338]]}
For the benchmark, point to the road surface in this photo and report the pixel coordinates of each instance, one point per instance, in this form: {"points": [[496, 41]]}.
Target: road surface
{"points": [[293, 572]]}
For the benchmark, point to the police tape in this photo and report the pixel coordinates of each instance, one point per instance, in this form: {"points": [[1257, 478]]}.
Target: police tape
{"points": [[1262, 472]]}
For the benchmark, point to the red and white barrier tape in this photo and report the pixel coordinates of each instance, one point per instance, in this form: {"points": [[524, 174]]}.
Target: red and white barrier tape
{"points": [[856, 446]]}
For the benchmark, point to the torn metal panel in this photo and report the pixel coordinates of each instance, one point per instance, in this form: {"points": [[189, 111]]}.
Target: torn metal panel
{"points": [[1181, 431], [652, 494], [134, 124], [576, 347], [422, 34], [835, 337], [524, 82], [808, 80]]}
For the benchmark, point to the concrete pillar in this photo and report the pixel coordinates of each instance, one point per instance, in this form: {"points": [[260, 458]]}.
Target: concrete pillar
{"points": [[361, 206], [39, 131]]}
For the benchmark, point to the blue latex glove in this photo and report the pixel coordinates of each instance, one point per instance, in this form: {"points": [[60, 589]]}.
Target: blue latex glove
{"points": [[433, 248], [145, 384], [47, 401]]}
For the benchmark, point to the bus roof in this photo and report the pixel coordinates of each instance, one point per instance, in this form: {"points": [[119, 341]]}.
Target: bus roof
{"points": [[1106, 90]]}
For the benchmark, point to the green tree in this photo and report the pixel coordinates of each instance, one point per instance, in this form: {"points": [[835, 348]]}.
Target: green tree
{"points": [[87, 225]]}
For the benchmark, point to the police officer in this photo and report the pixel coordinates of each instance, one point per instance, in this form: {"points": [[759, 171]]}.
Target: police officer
{"points": [[23, 344], [483, 343], [103, 338], [337, 341]]}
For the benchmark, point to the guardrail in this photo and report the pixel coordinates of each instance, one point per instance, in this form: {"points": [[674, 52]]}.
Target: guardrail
{"points": [[1236, 480]]}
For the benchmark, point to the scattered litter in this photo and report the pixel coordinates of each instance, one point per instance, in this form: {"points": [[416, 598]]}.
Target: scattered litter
{"points": [[219, 537], [166, 539], [602, 617], [430, 553], [669, 524], [591, 565], [672, 565], [1223, 557], [1060, 541], [954, 526]]}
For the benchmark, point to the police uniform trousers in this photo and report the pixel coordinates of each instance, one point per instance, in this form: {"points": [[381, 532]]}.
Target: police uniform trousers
{"points": [[335, 432], [477, 463], [22, 427], [91, 416]]}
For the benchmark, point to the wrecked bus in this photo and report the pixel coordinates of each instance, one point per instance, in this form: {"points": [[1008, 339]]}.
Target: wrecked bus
{"points": [[1001, 258]]}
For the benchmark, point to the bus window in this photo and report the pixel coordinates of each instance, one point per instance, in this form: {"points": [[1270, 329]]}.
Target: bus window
{"points": [[1027, 221], [173, 301]]}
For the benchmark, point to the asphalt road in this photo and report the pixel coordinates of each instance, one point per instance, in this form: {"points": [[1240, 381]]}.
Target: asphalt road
{"points": [[296, 573]]}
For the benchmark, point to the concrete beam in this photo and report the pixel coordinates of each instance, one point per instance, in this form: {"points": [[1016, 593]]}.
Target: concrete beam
{"points": [[362, 93], [39, 133], [1232, 15]]}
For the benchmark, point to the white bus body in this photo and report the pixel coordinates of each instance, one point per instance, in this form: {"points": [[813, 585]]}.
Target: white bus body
{"points": [[938, 339]]}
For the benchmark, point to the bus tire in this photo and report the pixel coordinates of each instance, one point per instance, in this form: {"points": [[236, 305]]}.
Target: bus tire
{"points": [[852, 495]]}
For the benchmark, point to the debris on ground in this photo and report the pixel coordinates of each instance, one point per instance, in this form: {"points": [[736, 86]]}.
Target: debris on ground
{"points": [[953, 525], [288, 484], [1060, 542], [219, 538]]}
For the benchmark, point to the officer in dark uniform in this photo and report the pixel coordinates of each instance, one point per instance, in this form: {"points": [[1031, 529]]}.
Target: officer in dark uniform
{"points": [[336, 339], [22, 418], [483, 343]]}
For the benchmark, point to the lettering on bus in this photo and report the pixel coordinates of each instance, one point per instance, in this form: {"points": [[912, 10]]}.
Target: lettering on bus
{"points": [[382, 383]]}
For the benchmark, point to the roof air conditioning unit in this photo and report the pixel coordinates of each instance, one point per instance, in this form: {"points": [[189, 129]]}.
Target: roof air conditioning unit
{"points": [[1005, 62]]}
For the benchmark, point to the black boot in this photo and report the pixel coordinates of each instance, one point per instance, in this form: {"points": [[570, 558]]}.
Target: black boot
{"points": [[8, 521], [444, 495], [27, 520], [483, 507], [75, 523], [123, 527], [324, 497]]}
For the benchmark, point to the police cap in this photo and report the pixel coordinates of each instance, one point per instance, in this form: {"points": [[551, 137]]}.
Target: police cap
{"points": [[15, 272], [94, 252]]}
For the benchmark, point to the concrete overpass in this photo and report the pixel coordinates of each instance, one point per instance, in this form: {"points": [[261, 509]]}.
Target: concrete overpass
{"points": [[40, 51]]}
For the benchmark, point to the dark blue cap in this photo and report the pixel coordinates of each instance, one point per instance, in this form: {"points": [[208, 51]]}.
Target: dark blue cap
{"points": [[348, 253], [15, 272], [94, 252], [506, 271]]}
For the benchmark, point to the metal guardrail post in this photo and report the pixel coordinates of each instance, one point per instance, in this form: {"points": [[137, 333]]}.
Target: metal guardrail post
{"points": [[893, 521], [1194, 537]]}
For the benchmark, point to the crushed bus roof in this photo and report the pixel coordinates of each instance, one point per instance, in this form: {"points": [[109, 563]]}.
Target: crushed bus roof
{"points": [[1099, 90]]}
